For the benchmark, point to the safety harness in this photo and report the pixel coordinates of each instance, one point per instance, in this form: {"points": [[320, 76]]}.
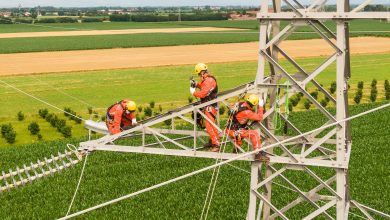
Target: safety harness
{"points": [[236, 125], [108, 115], [212, 94]]}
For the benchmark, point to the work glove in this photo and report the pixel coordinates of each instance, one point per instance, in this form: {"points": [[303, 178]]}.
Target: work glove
{"points": [[192, 90], [261, 102], [193, 83], [134, 121]]}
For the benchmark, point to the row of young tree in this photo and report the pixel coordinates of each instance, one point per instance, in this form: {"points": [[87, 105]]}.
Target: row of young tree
{"points": [[56, 122]]}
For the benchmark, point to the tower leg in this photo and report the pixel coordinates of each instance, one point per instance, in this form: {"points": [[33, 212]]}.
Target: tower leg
{"points": [[252, 195]]}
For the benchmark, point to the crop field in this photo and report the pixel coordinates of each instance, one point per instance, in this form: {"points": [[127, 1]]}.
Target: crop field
{"points": [[79, 90], [15, 28], [36, 44], [110, 175], [367, 25]]}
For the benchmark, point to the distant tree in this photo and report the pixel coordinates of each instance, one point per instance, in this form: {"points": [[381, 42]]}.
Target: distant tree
{"points": [[10, 137], [324, 103], [333, 87], [307, 104], [360, 85], [387, 85], [151, 104], [66, 131], [6, 128], [357, 98], [43, 112], [20, 116], [148, 111], [373, 83], [314, 94], [34, 128], [222, 110]]}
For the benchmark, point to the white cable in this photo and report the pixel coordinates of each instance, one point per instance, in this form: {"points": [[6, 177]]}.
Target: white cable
{"points": [[219, 164], [60, 91], [213, 180], [78, 184], [38, 99]]}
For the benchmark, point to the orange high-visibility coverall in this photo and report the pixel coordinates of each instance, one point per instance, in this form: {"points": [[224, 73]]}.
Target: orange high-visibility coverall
{"points": [[208, 91], [238, 124], [118, 118]]}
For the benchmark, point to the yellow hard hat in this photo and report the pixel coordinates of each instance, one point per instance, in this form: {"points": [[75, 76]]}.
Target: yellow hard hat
{"points": [[199, 68], [131, 106], [253, 99]]}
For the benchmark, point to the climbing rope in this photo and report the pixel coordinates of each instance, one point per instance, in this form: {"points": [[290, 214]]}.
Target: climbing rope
{"points": [[215, 175], [78, 184]]}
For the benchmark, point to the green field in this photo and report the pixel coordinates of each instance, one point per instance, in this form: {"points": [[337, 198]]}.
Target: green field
{"points": [[36, 44], [355, 25], [167, 86], [111, 175], [15, 28]]}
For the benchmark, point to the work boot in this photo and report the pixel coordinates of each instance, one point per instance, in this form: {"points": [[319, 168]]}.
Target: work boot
{"points": [[215, 148], [262, 156], [208, 145]]}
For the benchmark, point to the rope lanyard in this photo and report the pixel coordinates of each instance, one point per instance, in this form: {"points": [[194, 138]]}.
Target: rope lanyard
{"points": [[276, 119]]}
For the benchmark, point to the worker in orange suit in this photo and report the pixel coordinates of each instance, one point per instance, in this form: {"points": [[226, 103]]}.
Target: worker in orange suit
{"points": [[208, 90], [237, 127], [120, 116]]}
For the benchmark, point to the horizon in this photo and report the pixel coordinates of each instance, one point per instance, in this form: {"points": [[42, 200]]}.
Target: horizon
{"points": [[147, 3]]}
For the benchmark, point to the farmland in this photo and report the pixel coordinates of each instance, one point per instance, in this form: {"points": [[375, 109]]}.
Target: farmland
{"points": [[161, 84], [114, 85], [249, 34], [16, 28], [356, 25], [110, 175]]}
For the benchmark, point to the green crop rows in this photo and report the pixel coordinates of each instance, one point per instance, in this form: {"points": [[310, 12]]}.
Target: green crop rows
{"points": [[111, 175], [19, 45]]}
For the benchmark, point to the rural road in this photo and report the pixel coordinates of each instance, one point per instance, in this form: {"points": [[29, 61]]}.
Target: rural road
{"points": [[112, 32], [49, 62]]}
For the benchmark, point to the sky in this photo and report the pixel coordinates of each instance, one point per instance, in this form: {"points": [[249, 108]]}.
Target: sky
{"points": [[133, 3]]}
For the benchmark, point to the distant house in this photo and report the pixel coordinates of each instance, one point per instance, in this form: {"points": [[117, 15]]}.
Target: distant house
{"points": [[27, 14], [5, 14]]}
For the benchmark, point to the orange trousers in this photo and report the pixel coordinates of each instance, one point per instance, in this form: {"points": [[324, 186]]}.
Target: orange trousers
{"points": [[239, 135], [211, 112]]}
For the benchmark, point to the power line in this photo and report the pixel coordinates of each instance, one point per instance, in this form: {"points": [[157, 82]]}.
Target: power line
{"points": [[40, 100]]}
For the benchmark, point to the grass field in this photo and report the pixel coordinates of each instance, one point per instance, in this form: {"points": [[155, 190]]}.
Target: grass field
{"points": [[145, 84], [19, 45], [110, 175]]}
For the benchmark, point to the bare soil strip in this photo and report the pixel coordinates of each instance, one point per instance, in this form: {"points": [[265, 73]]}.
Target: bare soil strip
{"points": [[68, 61], [112, 32]]}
